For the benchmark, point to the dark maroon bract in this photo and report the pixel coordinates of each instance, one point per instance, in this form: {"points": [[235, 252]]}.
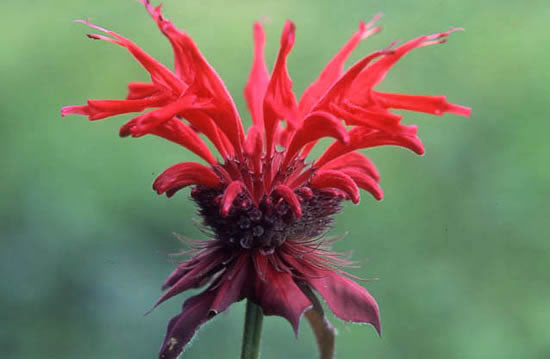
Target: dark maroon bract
{"points": [[265, 204]]}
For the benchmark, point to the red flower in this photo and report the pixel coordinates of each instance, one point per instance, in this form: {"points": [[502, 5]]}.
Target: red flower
{"points": [[265, 205]]}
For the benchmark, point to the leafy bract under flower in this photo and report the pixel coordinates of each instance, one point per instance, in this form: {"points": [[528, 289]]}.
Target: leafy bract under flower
{"points": [[265, 204]]}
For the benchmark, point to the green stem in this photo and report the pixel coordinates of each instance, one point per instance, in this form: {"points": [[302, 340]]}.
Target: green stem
{"points": [[252, 331]]}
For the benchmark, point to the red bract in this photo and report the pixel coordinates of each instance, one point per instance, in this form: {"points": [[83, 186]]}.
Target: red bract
{"points": [[264, 203]]}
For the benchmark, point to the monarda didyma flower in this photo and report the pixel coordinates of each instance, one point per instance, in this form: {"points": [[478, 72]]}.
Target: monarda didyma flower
{"points": [[266, 205]]}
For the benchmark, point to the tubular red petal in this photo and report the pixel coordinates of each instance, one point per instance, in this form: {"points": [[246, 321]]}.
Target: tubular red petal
{"points": [[259, 78], [185, 107], [229, 148], [334, 68], [346, 299], [185, 174], [284, 136], [354, 160], [338, 92], [171, 33], [379, 119], [139, 90], [230, 193], [203, 81], [75, 110], [124, 106], [204, 124], [376, 72], [336, 179], [340, 89], [254, 148], [100, 109], [223, 113], [160, 75], [436, 105], [277, 294], [317, 125], [86, 111], [288, 195], [254, 143], [176, 131], [146, 122], [365, 182], [280, 102], [305, 192], [363, 137], [223, 173], [183, 326]]}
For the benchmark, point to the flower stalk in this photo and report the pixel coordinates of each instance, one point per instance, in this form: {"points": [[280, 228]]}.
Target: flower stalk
{"points": [[252, 331]]}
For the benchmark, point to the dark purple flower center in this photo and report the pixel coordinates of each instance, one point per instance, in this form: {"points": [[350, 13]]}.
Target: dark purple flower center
{"points": [[269, 224]]}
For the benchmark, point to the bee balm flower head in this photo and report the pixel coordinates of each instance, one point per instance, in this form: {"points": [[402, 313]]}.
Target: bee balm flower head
{"points": [[266, 205]]}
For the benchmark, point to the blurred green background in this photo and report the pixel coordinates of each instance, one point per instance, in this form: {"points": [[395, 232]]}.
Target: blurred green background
{"points": [[460, 242]]}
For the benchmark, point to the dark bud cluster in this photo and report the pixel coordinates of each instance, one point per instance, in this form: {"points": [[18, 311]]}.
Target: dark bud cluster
{"points": [[269, 224]]}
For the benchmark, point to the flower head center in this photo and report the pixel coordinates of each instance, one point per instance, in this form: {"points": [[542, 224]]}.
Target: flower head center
{"points": [[268, 225]]}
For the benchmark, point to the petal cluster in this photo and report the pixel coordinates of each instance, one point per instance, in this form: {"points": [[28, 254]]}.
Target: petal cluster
{"points": [[192, 100], [261, 182]]}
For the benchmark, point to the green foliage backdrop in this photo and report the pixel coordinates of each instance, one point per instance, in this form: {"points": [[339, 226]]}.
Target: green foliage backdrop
{"points": [[460, 243]]}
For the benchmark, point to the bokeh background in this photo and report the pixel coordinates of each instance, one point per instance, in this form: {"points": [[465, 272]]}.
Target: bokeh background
{"points": [[460, 243]]}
